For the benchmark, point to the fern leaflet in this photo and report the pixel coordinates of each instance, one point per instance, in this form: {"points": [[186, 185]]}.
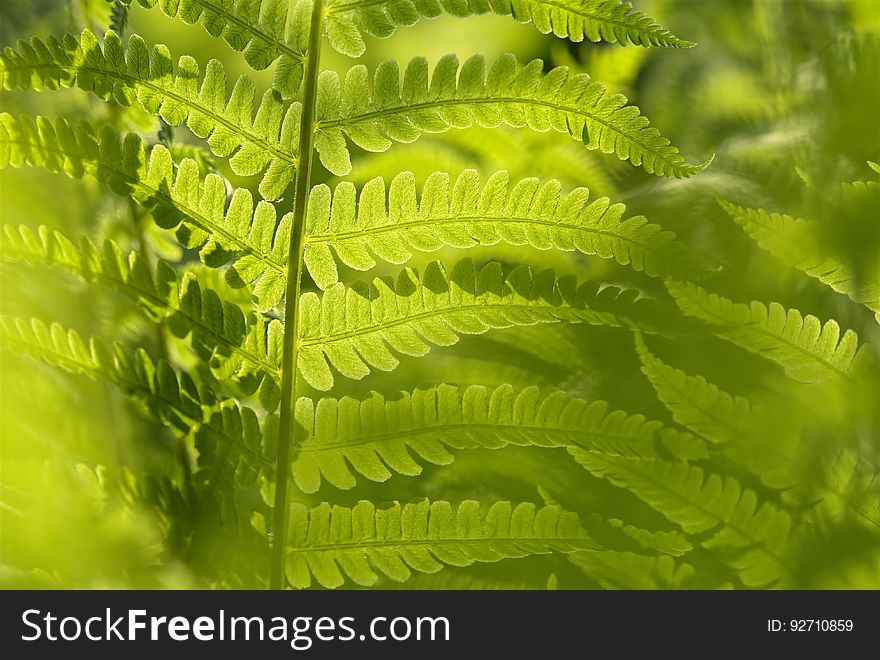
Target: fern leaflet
{"points": [[612, 21], [328, 544], [357, 227], [375, 437], [222, 228], [262, 31], [699, 504], [792, 241], [806, 349], [373, 113], [172, 397], [695, 403], [237, 346], [750, 437], [354, 328]]}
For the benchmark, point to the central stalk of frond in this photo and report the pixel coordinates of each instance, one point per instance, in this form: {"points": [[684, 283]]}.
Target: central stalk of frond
{"points": [[291, 307]]}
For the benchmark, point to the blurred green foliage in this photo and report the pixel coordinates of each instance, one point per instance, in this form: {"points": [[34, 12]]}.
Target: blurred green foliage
{"points": [[93, 492]]}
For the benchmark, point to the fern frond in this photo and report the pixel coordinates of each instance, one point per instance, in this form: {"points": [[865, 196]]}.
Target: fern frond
{"points": [[685, 495], [696, 403], [750, 437], [171, 396], [221, 227], [261, 30], [118, 16], [264, 143], [612, 21], [806, 349], [792, 241], [628, 570], [373, 113], [237, 346], [127, 274], [377, 437], [329, 544], [465, 213], [354, 328], [235, 446], [667, 543]]}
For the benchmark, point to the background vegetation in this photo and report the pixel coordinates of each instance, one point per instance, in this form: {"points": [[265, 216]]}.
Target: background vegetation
{"points": [[784, 93]]}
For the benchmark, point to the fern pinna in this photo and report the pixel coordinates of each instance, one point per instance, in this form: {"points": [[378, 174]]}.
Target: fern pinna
{"points": [[255, 371]]}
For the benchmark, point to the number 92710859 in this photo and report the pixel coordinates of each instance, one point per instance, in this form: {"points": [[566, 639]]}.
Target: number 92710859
{"points": [[809, 625]]}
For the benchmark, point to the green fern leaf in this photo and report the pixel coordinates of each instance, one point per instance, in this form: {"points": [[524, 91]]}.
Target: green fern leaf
{"points": [[262, 31], [755, 440], [235, 446], [264, 143], [612, 21], [362, 326], [329, 544], [698, 504], [237, 346], [127, 274], [374, 113], [806, 349], [793, 241], [169, 396], [358, 227], [377, 437], [668, 543], [628, 570], [695, 403], [222, 227]]}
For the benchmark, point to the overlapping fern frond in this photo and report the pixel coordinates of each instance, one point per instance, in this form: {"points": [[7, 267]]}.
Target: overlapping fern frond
{"points": [[794, 242], [179, 196], [263, 31], [235, 344], [259, 143], [700, 503], [808, 350], [171, 396], [362, 326]]}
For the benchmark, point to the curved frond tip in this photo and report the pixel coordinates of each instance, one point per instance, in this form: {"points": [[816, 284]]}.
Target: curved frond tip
{"points": [[808, 350], [612, 21]]}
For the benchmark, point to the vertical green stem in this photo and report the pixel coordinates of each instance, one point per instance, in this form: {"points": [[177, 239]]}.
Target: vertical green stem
{"points": [[291, 308]]}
